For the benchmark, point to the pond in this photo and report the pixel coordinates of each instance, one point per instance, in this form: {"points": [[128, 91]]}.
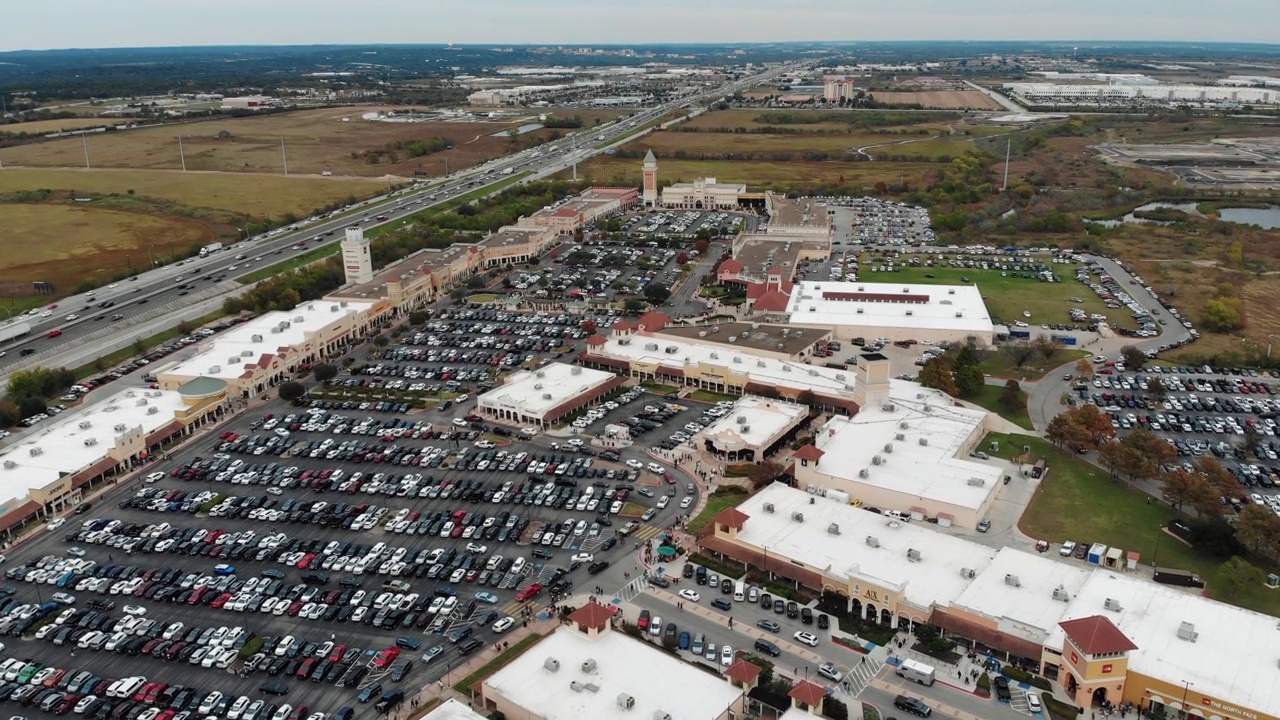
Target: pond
{"points": [[1268, 218]]}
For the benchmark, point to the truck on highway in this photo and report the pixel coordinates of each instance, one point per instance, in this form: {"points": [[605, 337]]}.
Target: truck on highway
{"points": [[13, 331], [916, 672], [507, 171], [210, 249]]}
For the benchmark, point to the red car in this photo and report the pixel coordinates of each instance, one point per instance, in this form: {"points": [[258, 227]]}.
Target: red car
{"points": [[220, 600], [529, 591], [386, 657], [338, 651]]}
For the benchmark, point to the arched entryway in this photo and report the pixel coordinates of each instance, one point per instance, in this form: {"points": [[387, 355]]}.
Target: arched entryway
{"points": [[886, 617], [697, 205], [870, 612], [1099, 697]]}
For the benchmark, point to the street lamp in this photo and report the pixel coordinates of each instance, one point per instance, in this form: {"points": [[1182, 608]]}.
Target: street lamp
{"points": [[1186, 689], [150, 256], [1269, 337]]}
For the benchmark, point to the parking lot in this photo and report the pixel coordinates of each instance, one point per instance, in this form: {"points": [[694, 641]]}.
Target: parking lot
{"points": [[341, 550], [1200, 412], [686, 223], [600, 270]]}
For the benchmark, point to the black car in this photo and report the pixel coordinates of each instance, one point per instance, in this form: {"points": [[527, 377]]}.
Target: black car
{"points": [[597, 567], [912, 705], [1002, 689], [275, 687]]}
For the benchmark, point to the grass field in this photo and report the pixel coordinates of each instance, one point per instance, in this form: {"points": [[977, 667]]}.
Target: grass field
{"points": [[666, 144], [64, 244], [1077, 501], [316, 141], [722, 499], [756, 174], [257, 196], [1000, 365], [52, 126], [1006, 297], [939, 99], [989, 398]]}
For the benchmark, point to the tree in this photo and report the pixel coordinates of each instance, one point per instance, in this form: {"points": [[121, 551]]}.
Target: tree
{"points": [[10, 414], [1259, 529], [31, 405], [633, 306], [1084, 369], [382, 341], [1114, 456], [1019, 351], [291, 391], [1134, 358], [937, 375], [1181, 487], [1237, 575], [185, 327], [682, 258], [765, 473], [656, 293], [969, 380], [589, 325], [1047, 347], [418, 317], [1224, 483], [1011, 398], [1082, 428], [324, 372], [702, 246], [1222, 315]]}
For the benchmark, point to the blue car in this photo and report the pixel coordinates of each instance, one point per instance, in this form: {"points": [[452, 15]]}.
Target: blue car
{"points": [[223, 569], [684, 640], [487, 598]]}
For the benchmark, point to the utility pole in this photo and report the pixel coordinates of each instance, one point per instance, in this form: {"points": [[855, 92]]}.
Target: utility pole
{"points": [[284, 155], [84, 139], [1007, 149], [182, 155]]}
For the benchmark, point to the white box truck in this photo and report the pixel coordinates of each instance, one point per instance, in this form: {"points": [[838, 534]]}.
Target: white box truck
{"points": [[208, 250], [916, 672]]}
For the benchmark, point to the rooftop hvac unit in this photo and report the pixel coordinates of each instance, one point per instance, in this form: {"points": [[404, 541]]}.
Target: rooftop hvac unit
{"points": [[873, 541], [90, 442], [1111, 604], [888, 407], [233, 359], [153, 410], [858, 311], [671, 349], [759, 363], [343, 303], [298, 319], [959, 314], [588, 666], [702, 333], [1187, 631], [715, 328], [976, 482], [333, 308], [888, 447], [551, 664], [833, 529], [914, 555], [755, 326], [625, 701], [926, 408], [540, 373], [876, 460], [910, 313], [813, 309], [140, 402], [951, 291], [741, 419], [924, 441], [119, 427], [768, 507], [537, 386], [862, 288], [1060, 593], [275, 330], [9, 464], [899, 437], [906, 289], [546, 396], [285, 324], [733, 338], [919, 396], [746, 428], [214, 370], [1012, 581], [84, 424], [968, 573], [624, 341], [246, 353], [737, 359], [576, 686], [813, 372], [864, 473], [714, 356], [786, 368], [797, 516], [575, 370], [651, 346], [904, 424], [839, 377], [33, 452], [944, 302]]}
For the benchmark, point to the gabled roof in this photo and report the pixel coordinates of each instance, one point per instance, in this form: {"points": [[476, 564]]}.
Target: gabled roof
{"points": [[810, 453], [772, 301], [592, 615], [621, 325], [809, 693], [744, 672], [729, 267], [597, 340], [733, 517], [1097, 635], [653, 321]]}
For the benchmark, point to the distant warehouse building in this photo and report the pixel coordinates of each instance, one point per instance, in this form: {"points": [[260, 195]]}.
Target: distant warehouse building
{"points": [[896, 311], [547, 395]]}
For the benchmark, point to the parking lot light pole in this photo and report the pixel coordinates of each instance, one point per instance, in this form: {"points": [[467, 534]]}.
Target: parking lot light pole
{"points": [[1186, 689], [1269, 338]]}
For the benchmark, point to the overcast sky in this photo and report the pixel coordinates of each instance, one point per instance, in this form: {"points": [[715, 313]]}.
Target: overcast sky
{"points": [[134, 23]]}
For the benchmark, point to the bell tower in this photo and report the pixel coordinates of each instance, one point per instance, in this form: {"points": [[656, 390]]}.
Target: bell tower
{"points": [[650, 195]]}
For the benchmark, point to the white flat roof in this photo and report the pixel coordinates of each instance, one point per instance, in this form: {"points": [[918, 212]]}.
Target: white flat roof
{"points": [[453, 710], [935, 578], [932, 471], [763, 419], [1029, 610], [934, 307], [1233, 658], [61, 440], [656, 680], [305, 319], [767, 371], [534, 392]]}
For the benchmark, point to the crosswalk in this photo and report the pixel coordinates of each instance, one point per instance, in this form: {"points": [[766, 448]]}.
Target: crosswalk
{"points": [[860, 675], [646, 531]]}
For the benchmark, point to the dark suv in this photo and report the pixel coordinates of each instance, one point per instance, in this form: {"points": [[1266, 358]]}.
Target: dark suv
{"points": [[912, 705], [1002, 689]]}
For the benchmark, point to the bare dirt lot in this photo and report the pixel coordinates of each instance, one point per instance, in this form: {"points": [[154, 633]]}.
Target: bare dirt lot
{"points": [[940, 99]]}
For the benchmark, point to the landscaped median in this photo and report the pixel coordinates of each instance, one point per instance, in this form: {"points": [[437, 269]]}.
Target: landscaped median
{"points": [[720, 499]]}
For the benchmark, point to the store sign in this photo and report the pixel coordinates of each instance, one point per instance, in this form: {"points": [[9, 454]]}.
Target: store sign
{"points": [[1106, 669], [1210, 702]]}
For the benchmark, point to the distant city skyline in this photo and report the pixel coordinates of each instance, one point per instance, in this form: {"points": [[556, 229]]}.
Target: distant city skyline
{"points": [[151, 23]]}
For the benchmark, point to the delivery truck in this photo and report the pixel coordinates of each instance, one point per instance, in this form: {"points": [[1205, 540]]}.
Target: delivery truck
{"points": [[916, 672]]}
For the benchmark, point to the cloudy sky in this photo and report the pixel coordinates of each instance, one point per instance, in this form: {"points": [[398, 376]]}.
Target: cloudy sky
{"points": [[131, 23]]}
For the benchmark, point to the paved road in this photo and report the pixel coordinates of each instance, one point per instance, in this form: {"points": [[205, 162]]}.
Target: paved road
{"points": [[947, 702], [136, 298], [682, 302]]}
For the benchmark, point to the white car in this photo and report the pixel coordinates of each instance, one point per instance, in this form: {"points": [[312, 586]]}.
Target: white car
{"points": [[686, 502], [73, 316], [504, 624], [690, 595], [1033, 703], [135, 610], [154, 477], [807, 638], [75, 552], [583, 557], [726, 656], [633, 463], [829, 671]]}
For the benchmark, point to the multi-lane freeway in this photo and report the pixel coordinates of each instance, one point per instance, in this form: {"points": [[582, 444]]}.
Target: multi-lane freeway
{"points": [[167, 285]]}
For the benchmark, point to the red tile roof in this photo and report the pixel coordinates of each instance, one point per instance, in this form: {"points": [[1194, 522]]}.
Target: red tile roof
{"points": [[621, 325], [1097, 635], [744, 672], [653, 321], [730, 267], [591, 615], [810, 453], [772, 301], [809, 693], [597, 340], [733, 517]]}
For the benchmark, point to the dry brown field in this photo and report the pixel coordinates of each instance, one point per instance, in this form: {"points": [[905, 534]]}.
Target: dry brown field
{"points": [[939, 99]]}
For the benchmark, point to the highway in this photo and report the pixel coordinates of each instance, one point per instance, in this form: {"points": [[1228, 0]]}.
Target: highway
{"points": [[136, 300]]}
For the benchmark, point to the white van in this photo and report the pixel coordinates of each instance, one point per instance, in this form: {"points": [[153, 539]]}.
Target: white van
{"points": [[740, 591]]}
